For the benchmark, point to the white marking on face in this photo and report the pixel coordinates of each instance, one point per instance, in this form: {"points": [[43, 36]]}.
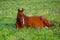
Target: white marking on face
{"points": [[23, 20]]}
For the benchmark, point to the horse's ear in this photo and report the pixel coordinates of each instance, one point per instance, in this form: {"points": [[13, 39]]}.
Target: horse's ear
{"points": [[18, 10], [22, 9]]}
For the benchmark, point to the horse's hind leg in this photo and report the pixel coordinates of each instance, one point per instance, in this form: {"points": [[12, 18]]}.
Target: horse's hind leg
{"points": [[46, 22]]}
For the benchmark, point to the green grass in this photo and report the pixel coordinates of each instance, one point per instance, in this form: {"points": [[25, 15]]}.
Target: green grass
{"points": [[8, 12]]}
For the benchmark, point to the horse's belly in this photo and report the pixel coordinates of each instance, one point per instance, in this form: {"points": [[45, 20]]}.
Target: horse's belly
{"points": [[35, 22]]}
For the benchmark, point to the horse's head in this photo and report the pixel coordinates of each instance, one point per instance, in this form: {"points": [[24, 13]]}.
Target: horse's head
{"points": [[20, 16]]}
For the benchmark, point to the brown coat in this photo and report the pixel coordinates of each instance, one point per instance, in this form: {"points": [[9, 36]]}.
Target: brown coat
{"points": [[31, 21]]}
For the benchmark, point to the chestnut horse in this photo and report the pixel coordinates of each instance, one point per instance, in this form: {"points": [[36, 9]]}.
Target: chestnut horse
{"points": [[31, 21]]}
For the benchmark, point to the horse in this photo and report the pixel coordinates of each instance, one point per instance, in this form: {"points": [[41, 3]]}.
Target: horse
{"points": [[31, 21]]}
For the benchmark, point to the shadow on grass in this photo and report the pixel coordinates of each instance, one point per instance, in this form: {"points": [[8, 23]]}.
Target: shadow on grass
{"points": [[8, 25]]}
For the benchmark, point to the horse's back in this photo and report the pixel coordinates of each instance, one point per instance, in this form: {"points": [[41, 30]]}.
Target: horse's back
{"points": [[35, 21]]}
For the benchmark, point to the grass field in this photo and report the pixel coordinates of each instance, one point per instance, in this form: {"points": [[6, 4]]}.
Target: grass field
{"points": [[48, 8]]}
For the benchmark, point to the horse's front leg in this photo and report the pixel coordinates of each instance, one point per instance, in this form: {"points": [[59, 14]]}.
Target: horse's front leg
{"points": [[17, 25]]}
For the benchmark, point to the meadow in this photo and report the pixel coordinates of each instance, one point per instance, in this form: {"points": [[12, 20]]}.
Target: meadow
{"points": [[8, 13]]}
